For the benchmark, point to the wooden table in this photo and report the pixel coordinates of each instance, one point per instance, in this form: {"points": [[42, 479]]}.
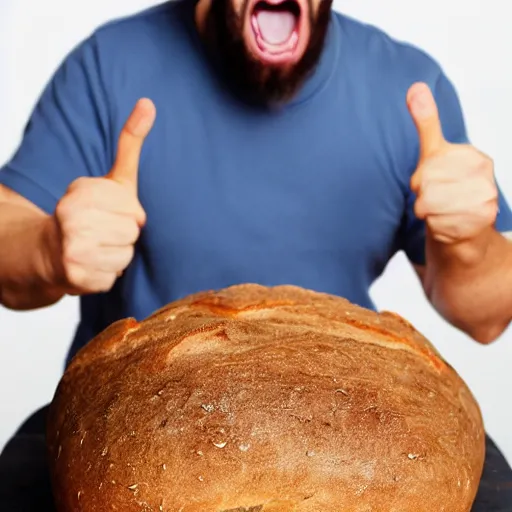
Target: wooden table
{"points": [[25, 486]]}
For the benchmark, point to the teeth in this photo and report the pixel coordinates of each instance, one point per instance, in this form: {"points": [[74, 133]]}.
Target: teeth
{"points": [[254, 23], [276, 27], [275, 49]]}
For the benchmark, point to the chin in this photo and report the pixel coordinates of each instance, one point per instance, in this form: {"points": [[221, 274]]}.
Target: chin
{"points": [[277, 32]]}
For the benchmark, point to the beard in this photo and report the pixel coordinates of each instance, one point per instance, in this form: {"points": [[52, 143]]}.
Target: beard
{"points": [[257, 81]]}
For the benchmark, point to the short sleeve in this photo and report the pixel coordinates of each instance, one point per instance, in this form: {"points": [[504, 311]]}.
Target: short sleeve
{"points": [[454, 129], [67, 133]]}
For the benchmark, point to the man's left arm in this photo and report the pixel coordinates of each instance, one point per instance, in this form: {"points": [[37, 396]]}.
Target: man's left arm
{"points": [[475, 297], [467, 268]]}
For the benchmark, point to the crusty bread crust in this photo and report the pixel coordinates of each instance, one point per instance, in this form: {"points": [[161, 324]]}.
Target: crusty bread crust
{"points": [[264, 399]]}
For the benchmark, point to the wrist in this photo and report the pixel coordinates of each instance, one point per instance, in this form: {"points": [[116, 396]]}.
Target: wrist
{"points": [[466, 253], [49, 266], [33, 283]]}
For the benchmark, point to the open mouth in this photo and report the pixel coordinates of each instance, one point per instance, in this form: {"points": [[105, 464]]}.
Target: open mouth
{"points": [[278, 30]]}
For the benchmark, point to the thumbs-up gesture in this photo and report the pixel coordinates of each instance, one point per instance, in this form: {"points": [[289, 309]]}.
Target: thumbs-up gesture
{"points": [[98, 221], [454, 183]]}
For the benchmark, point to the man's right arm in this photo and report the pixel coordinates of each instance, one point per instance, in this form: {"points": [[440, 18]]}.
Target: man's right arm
{"points": [[63, 140], [64, 228], [26, 276], [89, 239]]}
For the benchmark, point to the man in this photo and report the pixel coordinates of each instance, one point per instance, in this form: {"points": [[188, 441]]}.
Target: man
{"points": [[266, 141]]}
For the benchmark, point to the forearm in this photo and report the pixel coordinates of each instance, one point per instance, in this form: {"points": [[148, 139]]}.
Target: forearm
{"points": [[25, 273], [471, 284]]}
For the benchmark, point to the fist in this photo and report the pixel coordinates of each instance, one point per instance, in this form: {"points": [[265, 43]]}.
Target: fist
{"points": [[456, 193], [99, 220]]}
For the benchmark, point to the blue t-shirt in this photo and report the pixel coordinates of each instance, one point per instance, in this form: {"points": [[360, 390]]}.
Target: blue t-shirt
{"points": [[314, 194]]}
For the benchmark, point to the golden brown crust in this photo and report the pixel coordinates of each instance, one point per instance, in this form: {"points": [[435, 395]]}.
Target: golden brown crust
{"points": [[278, 398]]}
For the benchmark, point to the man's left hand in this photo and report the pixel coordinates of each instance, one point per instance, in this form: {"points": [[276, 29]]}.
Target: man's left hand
{"points": [[454, 183]]}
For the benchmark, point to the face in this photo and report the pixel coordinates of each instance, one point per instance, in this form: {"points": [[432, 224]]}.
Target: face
{"points": [[266, 48]]}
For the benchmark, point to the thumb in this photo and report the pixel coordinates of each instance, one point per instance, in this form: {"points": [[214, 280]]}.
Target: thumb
{"points": [[423, 109], [126, 166]]}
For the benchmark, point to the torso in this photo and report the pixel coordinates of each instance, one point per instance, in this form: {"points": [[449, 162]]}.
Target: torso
{"points": [[312, 195]]}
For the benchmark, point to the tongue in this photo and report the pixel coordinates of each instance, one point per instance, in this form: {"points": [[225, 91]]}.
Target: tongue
{"points": [[276, 27]]}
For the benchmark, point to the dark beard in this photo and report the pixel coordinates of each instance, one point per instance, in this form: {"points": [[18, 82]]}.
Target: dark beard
{"points": [[258, 82]]}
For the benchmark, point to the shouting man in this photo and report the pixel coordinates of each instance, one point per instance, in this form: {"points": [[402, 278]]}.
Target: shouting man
{"points": [[205, 143]]}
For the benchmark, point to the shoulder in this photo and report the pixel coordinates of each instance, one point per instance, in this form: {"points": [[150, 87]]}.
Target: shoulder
{"points": [[131, 57], [393, 66], [384, 69], [159, 17], [385, 56], [135, 39], [148, 33]]}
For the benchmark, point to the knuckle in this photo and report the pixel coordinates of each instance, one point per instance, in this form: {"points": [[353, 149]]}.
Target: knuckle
{"points": [[419, 208], [79, 183], [126, 230], [443, 231], [75, 275], [134, 232], [76, 218], [487, 193], [134, 205], [484, 164], [444, 239], [71, 206], [134, 211], [64, 208], [87, 191], [424, 202], [82, 181], [494, 191], [141, 215], [456, 231], [70, 252], [76, 251], [490, 212], [124, 259], [130, 252], [433, 227]]}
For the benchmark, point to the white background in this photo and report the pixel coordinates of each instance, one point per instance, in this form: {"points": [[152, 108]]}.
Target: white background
{"points": [[470, 38]]}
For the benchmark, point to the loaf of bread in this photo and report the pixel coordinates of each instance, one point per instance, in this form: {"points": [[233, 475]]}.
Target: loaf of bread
{"points": [[263, 400]]}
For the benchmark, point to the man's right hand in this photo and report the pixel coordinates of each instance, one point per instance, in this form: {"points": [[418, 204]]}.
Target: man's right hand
{"points": [[96, 224]]}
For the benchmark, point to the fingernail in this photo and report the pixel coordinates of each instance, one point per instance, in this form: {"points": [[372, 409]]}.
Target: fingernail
{"points": [[141, 124], [142, 119], [421, 103]]}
